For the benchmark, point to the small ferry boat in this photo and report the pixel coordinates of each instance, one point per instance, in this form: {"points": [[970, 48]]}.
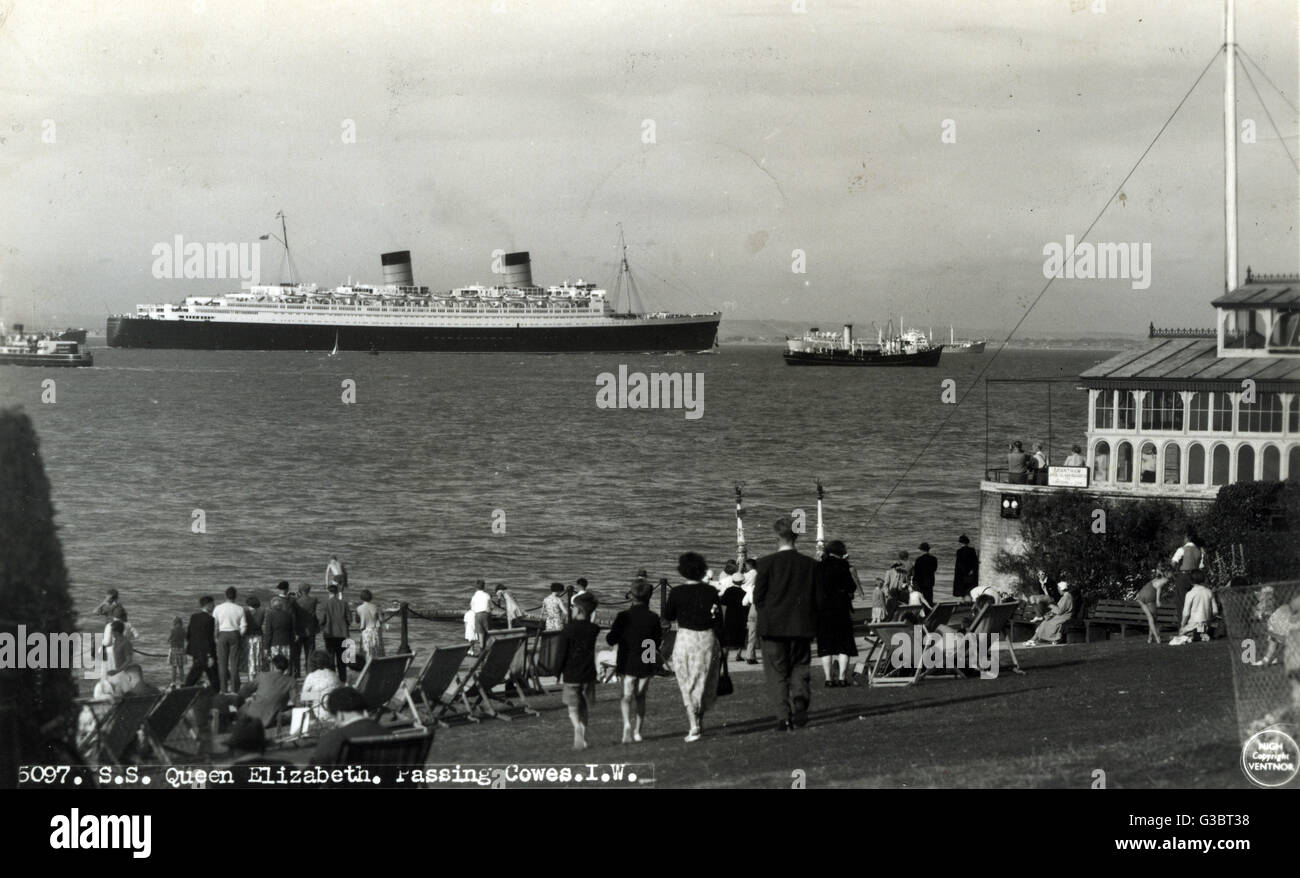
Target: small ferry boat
{"points": [[18, 349], [817, 348]]}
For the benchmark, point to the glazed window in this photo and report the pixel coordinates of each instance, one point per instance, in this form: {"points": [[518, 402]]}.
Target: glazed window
{"points": [[1264, 415], [1104, 410], [1162, 410], [1196, 464]]}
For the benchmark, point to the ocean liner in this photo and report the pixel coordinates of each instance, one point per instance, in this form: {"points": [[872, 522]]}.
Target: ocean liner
{"points": [[515, 315]]}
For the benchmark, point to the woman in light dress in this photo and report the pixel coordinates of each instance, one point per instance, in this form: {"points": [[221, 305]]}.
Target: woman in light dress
{"points": [[372, 626]]}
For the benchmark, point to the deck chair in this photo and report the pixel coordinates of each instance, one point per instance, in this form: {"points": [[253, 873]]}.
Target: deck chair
{"points": [[118, 728], [994, 620], [166, 718], [879, 668], [440, 673], [541, 661], [502, 663], [408, 748], [380, 679]]}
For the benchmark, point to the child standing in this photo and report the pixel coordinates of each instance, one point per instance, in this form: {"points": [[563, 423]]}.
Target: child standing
{"points": [[637, 633], [576, 658], [176, 651]]}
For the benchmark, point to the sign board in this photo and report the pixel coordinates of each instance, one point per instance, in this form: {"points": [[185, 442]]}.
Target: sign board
{"points": [[1067, 476]]}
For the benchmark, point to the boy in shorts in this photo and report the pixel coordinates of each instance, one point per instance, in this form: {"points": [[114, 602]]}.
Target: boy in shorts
{"points": [[576, 658]]}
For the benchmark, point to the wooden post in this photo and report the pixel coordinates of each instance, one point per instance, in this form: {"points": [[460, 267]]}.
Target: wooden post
{"points": [[405, 646]]}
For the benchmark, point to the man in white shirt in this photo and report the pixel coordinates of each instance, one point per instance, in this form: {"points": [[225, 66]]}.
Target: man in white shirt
{"points": [[1199, 610], [746, 582], [231, 622], [481, 606]]}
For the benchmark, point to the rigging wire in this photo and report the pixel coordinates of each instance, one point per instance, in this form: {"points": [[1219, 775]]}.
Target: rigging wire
{"points": [[989, 362], [1269, 115], [1243, 53]]}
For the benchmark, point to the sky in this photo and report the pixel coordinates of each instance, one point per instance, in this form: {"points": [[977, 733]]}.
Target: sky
{"points": [[454, 129]]}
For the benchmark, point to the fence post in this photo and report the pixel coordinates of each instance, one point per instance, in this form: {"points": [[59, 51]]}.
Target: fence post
{"points": [[404, 647]]}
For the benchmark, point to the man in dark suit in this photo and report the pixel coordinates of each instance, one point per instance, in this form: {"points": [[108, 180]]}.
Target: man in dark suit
{"points": [[305, 628], [333, 617], [201, 645], [923, 573], [785, 593], [965, 569]]}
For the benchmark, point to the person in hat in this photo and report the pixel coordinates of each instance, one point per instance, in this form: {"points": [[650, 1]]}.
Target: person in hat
{"points": [[835, 613], [923, 573], [786, 593], [1052, 629], [965, 569], [555, 611], [348, 709], [898, 580]]}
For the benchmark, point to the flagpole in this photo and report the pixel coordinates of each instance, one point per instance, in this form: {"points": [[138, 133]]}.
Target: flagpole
{"points": [[821, 533], [740, 526]]}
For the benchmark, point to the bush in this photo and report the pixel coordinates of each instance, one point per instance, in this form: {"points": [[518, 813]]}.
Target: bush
{"points": [[1103, 558], [33, 592], [1256, 519], [1262, 519]]}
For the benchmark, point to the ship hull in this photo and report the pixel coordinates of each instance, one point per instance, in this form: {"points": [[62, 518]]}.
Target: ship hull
{"points": [[844, 358], [631, 336], [975, 347], [56, 360]]}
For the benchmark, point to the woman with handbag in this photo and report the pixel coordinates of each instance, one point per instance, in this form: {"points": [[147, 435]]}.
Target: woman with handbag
{"points": [[697, 649]]}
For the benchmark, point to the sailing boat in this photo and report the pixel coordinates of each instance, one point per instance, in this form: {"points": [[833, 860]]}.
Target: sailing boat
{"points": [[335, 352], [965, 346]]}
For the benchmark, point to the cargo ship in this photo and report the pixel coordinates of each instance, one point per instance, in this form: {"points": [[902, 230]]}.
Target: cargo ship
{"points": [[514, 315], [44, 349], [817, 348], [965, 345]]}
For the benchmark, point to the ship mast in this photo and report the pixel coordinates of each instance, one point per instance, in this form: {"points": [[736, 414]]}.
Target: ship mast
{"points": [[283, 238], [625, 274], [1230, 147]]}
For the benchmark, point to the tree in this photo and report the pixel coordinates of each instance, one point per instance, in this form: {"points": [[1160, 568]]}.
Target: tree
{"points": [[1106, 548], [33, 593]]}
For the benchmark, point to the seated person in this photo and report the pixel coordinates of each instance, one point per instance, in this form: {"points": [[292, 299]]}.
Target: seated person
{"points": [[263, 697], [348, 710], [321, 681], [1200, 608], [1052, 628]]}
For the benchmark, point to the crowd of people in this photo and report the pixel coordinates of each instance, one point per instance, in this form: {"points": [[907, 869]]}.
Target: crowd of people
{"points": [[766, 610]]}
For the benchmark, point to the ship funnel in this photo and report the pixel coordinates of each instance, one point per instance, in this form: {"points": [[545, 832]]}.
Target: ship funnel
{"points": [[848, 335], [397, 268], [516, 270]]}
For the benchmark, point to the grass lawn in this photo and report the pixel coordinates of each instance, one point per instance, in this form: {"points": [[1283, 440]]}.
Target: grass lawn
{"points": [[1147, 716]]}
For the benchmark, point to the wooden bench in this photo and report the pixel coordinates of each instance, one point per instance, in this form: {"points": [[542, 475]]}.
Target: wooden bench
{"points": [[1023, 628], [1125, 614]]}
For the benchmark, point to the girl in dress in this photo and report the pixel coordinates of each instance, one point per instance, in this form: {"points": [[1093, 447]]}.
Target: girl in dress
{"points": [[1148, 598]]}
